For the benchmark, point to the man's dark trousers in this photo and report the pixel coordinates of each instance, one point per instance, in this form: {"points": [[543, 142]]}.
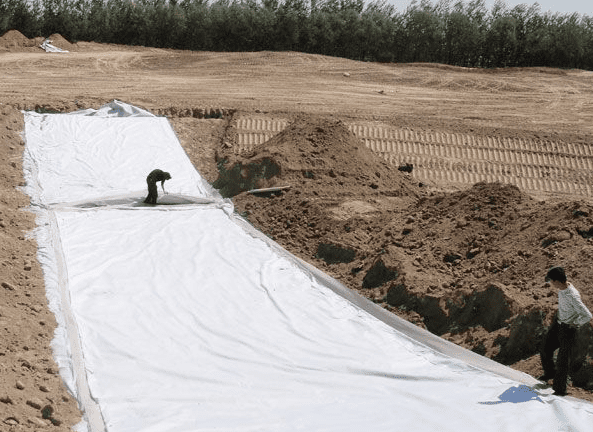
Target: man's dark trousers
{"points": [[560, 336]]}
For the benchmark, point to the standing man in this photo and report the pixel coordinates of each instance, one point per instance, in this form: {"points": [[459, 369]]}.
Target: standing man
{"points": [[572, 314], [155, 176]]}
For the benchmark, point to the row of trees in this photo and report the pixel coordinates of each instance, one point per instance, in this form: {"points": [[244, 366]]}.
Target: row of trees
{"points": [[463, 34]]}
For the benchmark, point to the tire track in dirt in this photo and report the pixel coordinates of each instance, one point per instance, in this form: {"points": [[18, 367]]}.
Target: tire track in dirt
{"points": [[458, 159], [253, 131]]}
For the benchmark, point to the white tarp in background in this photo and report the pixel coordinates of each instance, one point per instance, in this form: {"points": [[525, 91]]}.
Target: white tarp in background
{"points": [[50, 48], [187, 320]]}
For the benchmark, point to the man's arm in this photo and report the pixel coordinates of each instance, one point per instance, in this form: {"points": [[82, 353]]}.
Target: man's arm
{"points": [[581, 315]]}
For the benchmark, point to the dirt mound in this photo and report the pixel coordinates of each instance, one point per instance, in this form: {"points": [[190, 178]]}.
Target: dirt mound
{"points": [[471, 267], [14, 40], [313, 148], [59, 41], [495, 198]]}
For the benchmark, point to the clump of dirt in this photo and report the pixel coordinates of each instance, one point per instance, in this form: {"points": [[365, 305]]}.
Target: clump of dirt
{"points": [[468, 266]]}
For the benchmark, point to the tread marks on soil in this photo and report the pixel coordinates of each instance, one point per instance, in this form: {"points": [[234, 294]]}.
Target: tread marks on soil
{"points": [[252, 131]]}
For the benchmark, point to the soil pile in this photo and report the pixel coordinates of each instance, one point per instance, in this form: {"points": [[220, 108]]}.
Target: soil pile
{"points": [[14, 40], [59, 41], [313, 152]]}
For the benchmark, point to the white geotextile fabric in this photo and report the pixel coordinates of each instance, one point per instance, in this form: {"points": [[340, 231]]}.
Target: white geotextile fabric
{"points": [[89, 156], [187, 321]]}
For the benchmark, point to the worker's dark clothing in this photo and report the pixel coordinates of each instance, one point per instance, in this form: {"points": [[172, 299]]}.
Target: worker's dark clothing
{"points": [[155, 176], [560, 336]]}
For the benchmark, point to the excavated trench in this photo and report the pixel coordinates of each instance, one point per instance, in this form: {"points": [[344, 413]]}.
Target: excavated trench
{"points": [[489, 307], [174, 112]]}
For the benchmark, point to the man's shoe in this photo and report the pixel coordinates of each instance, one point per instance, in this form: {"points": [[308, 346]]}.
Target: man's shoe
{"points": [[545, 377], [558, 393]]}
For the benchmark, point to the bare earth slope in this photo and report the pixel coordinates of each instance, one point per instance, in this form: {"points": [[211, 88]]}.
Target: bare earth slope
{"points": [[464, 260]]}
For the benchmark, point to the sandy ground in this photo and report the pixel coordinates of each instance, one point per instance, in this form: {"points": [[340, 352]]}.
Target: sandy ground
{"points": [[356, 201]]}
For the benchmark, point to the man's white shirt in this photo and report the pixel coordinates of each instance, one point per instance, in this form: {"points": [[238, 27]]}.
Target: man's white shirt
{"points": [[571, 309]]}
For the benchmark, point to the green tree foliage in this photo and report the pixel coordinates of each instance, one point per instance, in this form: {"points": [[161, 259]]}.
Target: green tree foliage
{"points": [[376, 33], [96, 25], [424, 32], [288, 23], [197, 24], [457, 32], [464, 34], [501, 39], [20, 14], [57, 18], [569, 42], [587, 28]]}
